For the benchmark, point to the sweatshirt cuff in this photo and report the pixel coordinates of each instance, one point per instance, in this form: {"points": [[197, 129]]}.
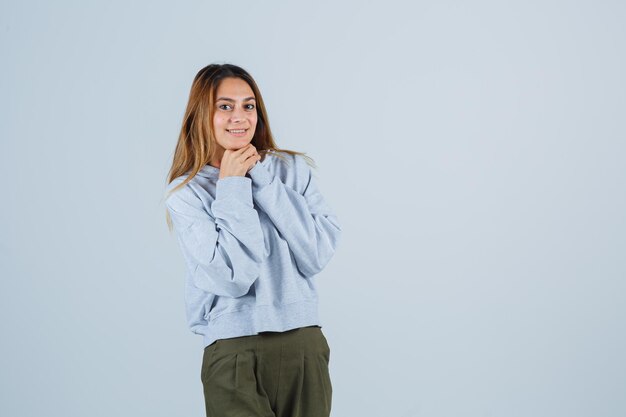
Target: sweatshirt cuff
{"points": [[260, 175], [236, 187]]}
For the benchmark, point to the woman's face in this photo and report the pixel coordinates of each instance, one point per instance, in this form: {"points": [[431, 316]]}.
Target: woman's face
{"points": [[235, 109]]}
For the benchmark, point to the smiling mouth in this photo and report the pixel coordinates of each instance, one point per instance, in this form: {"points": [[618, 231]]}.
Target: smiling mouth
{"points": [[237, 130]]}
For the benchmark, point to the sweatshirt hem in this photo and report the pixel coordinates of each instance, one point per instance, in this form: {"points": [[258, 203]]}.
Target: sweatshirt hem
{"points": [[262, 318]]}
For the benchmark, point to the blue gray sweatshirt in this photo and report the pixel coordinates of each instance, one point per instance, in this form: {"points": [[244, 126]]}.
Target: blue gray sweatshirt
{"points": [[252, 246]]}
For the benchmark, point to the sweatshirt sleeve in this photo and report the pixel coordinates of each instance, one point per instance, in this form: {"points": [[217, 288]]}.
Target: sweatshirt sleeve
{"points": [[223, 252], [302, 217]]}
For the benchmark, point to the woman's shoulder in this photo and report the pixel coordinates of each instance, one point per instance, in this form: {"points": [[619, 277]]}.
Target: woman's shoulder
{"points": [[194, 192], [286, 160], [175, 194], [292, 169]]}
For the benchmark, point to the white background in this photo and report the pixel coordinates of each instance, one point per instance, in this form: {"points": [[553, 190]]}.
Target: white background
{"points": [[474, 153]]}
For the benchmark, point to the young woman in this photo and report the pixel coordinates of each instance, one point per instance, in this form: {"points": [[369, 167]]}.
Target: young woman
{"points": [[254, 230]]}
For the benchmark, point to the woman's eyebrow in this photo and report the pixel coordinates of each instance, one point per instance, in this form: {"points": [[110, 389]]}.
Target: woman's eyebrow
{"points": [[230, 99]]}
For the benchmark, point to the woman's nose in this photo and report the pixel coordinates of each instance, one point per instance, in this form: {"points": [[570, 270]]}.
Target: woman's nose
{"points": [[238, 114]]}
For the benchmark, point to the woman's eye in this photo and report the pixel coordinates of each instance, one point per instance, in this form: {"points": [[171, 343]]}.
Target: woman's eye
{"points": [[228, 105]]}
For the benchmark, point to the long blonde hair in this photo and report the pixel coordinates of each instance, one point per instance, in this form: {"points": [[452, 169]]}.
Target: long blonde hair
{"points": [[196, 145]]}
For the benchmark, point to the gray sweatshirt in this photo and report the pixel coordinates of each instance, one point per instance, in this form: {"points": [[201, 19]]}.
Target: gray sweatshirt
{"points": [[252, 246]]}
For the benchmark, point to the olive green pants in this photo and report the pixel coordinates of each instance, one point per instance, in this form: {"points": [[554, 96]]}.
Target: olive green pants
{"points": [[271, 374]]}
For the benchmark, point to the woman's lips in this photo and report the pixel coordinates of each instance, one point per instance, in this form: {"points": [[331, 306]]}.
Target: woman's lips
{"points": [[238, 134]]}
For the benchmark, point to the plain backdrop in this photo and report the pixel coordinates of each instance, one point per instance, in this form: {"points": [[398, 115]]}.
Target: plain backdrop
{"points": [[474, 152]]}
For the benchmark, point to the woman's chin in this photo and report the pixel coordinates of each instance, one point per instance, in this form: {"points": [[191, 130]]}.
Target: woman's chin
{"points": [[240, 142]]}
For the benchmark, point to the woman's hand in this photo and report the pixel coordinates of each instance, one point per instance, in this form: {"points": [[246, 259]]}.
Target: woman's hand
{"points": [[238, 162]]}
